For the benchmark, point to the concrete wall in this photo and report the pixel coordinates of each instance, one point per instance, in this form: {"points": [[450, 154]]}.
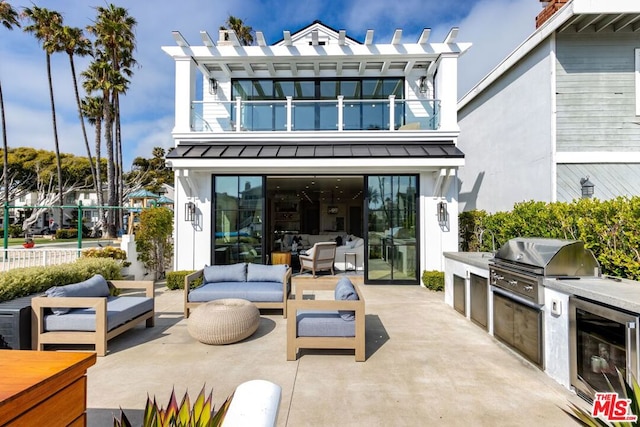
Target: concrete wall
{"points": [[506, 135]]}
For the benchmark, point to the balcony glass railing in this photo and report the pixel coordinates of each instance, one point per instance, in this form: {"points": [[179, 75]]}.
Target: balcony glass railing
{"points": [[315, 115]]}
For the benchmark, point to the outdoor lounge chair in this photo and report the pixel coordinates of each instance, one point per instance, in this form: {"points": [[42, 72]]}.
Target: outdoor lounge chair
{"points": [[337, 323], [320, 257]]}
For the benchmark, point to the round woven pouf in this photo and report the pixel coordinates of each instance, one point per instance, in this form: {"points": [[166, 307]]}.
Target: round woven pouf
{"points": [[224, 321]]}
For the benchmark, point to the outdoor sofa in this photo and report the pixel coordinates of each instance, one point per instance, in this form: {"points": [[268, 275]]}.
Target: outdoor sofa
{"points": [[266, 286], [337, 323], [88, 313]]}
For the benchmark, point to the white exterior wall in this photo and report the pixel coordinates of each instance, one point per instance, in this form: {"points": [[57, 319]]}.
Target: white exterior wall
{"points": [[556, 336], [507, 131]]}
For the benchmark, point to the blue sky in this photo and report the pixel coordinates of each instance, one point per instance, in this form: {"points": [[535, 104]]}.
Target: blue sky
{"points": [[495, 27]]}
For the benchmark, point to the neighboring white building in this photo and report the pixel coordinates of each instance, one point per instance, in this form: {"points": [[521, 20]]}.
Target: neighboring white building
{"points": [[318, 135], [562, 108]]}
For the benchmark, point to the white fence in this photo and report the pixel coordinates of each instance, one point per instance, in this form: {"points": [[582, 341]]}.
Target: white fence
{"points": [[19, 258]]}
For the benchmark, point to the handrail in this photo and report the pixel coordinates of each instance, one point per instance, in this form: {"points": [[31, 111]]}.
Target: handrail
{"points": [[339, 114]]}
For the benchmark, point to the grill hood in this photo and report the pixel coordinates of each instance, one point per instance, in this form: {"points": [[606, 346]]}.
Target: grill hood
{"points": [[549, 257]]}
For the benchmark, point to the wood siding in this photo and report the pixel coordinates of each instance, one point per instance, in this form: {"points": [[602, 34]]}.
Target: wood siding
{"points": [[596, 97]]}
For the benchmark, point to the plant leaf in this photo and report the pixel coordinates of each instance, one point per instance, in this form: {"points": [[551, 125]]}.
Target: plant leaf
{"points": [[218, 418]]}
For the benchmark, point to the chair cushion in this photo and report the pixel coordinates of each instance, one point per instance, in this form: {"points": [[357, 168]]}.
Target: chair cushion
{"points": [[95, 286], [225, 273], [265, 273], [323, 324], [251, 291], [345, 291], [120, 310]]}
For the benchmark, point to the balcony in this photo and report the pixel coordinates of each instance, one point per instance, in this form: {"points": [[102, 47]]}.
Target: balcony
{"points": [[289, 115]]}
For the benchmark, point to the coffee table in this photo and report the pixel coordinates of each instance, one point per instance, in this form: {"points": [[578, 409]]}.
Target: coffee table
{"points": [[224, 321]]}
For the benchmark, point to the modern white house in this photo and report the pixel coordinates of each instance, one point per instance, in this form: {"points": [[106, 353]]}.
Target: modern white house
{"points": [[317, 136], [560, 115]]}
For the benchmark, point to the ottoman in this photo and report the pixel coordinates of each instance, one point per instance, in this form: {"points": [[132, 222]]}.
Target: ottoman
{"points": [[224, 321]]}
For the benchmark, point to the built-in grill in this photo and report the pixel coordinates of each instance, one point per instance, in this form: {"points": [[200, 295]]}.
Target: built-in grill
{"points": [[521, 264], [517, 274]]}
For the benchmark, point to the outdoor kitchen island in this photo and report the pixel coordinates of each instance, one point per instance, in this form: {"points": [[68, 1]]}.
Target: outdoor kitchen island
{"points": [[568, 354]]}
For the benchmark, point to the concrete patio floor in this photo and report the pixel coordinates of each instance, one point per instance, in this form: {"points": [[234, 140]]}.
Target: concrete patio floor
{"points": [[426, 365]]}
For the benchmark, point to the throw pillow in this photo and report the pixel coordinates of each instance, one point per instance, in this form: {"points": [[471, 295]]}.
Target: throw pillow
{"points": [[225, 273], [346, 292], [95, 286], [266, 273]]}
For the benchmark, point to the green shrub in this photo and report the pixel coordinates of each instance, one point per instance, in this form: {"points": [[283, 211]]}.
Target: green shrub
{"points": [[66, 233], [175, 279], [15, 231], [153, 239], [21, 282], [433, 280], [107, 252], [609, 228]]}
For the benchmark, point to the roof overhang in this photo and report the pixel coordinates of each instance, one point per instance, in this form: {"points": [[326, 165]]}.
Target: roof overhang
{"points": [[300, 158], [575, 17]]}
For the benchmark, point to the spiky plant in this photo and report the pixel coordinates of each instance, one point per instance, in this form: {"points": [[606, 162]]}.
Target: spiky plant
{"points": [[202, 414], [630, 391]]}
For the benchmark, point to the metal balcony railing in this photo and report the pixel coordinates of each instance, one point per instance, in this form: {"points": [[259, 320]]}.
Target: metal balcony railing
{"points": [[339, 114]]}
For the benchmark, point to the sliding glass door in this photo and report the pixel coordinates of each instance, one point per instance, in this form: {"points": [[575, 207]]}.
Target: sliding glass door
{"points": [[392, 229], [238, 219]]}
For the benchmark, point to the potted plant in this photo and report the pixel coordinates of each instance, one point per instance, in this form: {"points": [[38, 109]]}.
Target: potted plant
{"points": [[28, 243]]}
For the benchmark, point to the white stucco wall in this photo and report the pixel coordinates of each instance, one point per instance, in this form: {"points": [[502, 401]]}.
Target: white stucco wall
{"points": [[506, 135], [556, 336]]}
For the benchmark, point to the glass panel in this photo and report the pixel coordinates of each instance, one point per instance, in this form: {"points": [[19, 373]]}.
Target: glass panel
{"points": [[392, 228], [238, 219], [350, 89]]}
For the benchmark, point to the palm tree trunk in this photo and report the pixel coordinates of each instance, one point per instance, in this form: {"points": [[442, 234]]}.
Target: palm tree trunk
{"points": [[84, 130], [99, 171], [55, 138], [111, 170], [5, 150], [120, 180]]}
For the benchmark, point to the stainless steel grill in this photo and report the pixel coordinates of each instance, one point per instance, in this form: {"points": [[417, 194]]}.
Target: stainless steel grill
{"points": [[521, 265], [517, 274]]}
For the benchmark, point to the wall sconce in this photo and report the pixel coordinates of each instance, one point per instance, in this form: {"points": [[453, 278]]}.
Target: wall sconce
{"points": [[213, 86], [190, 212], [423, 84], [443, 215], [587, 187]]}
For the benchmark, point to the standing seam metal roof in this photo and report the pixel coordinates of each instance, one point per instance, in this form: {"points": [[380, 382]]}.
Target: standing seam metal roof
{"points": [[259, 151]]}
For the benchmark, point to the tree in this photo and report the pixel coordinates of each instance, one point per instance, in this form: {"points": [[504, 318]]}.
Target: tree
{"points": [[114, 45], [8, 19], [153, 239], [244, 32], [150, 174], [92, 108], [45, 26], [74, 42]]}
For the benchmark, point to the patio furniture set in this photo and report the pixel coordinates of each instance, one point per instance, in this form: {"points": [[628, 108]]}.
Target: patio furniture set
{"points": [[223, 310]]}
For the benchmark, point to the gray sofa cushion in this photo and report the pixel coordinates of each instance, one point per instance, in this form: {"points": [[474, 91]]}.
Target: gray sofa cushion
{"points": [[345, 291], [251, 291], [119, 311], [324, 324], [95, 286], [225, 273], [265, 273]]}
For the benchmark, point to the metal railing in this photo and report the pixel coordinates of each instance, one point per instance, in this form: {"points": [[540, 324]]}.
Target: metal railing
{"points": [[20, 258], [339, 114]]}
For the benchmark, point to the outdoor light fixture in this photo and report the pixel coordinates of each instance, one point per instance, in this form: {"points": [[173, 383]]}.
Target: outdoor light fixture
{"points": [[190, 211], [213, 86], [587, 187], [423, 84], [443, 215]]}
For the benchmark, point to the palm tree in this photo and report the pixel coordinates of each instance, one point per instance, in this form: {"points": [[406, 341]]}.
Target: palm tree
{"points": [[115, 43], [244, 32], [92, 109], [8, 19], [45, 26], [75, 43]]}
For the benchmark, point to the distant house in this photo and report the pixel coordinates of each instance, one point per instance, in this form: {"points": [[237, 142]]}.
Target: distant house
{"points": [[318, 135], [560, 111]]}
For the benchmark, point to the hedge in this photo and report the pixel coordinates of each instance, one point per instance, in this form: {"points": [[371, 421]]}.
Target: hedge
{"points": [[175, 279], [21, 282], [609, 228], [433, 280]]}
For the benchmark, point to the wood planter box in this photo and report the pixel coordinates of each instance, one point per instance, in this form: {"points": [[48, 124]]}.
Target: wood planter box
{"points": [[15, 324]]}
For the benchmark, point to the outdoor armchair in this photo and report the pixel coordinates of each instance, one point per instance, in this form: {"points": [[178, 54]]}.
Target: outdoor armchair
{"points": [[320, 257]]}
